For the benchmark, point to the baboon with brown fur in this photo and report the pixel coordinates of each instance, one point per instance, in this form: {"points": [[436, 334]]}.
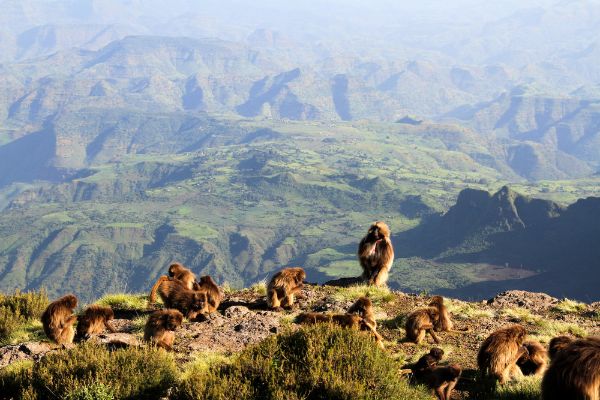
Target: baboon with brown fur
{"points": [[350, 321], [364, 308], [574, 372], [283, 286], [181, 273], [421, 322], [213, 293], [376, 254], [427, 363], [534, 361], [175, 295], [443, 380], [93, 321], [557, 344], [58, 319], [161, 326], [499, 353]]}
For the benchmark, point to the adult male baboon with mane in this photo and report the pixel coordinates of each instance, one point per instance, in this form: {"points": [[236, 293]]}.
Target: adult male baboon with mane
{"points": [[160, 328], [175, 295], [376, 254], [574, 372], [58, 319], [283, 286], [499, 353], [534, 361], [421, 322], [93, 321]]}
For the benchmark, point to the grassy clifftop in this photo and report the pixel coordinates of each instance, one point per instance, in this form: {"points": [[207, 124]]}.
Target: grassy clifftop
{"points": [[244, 351]]}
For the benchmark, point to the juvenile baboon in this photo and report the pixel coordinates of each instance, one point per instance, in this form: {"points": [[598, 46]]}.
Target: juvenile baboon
{"points": [[175, 295], [557, 344], [534, 361], [181, 273], [427, 363], [574, 372], [93, 321], [58, 319], [421, 322], [350, 321], [499, 353], [283, 286], [364, 307], [213, 293], [376, 254], [161, 326], [443, 379]]}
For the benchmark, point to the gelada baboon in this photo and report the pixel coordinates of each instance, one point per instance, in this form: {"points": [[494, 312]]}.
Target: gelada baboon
{"points": [[421, 322], [574, 372], [534, 361], [161, 326], [376, 254], [444, 323], [181, 273], [213, 293], [427, 363], [93, 321], [283, 286], [557, 344], [364, 308], [499, 353], [350, 321], [175, 295], [58, 319], [443, 380]]}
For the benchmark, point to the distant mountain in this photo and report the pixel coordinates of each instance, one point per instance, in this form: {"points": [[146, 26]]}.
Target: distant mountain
{"points": [[561, 245]]}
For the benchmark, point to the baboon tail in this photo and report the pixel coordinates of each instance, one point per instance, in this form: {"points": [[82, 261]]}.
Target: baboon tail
{"points": [[155, 288]]}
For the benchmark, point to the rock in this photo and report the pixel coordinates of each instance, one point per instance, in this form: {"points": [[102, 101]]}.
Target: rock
{"points": [[524, 299], [116, 340], [236, 311], [25, 351], [35, 348]]}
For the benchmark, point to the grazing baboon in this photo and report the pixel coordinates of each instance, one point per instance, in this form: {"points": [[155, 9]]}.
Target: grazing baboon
{"points": [[58, 319], [350, 321], [443, 379], [181, 273], [574, 372], [175, 295], [93, 321], [534, 361], [161, 326], [499, 353], [557, 344], [376, 254], [421, 322], [427, 363], [283, 286], [364, 307], [213, 293]]}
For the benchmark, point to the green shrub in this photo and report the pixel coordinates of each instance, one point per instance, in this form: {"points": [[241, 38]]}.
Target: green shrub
{"points": [[528, 388], [316, 362], [93, 372], [19, 309], [124, 301]]}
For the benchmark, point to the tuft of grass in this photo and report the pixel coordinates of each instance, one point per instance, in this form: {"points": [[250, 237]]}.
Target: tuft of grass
{"points": [[378, 295], [545, 329], [467, 311], [260, 288], [527, 388], [567, 306], [519, 315], [19, 315], [92, 372], [124, 301], [315, 362]]}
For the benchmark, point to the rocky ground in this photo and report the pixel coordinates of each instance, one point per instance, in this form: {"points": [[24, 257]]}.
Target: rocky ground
{"points": [[243, 320]]}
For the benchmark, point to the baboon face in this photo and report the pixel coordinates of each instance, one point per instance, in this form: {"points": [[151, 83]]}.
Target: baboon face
{"points": [[437, 301], [173, 269], [519, 334], [436, 353], [199, 301], [173, 321], [378, 231], [207, 280]]}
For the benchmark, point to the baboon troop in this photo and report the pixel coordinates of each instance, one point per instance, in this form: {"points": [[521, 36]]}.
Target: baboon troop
{"points": [[376, 254], [283, 286], [574, 371], [93, 321], [58, 319], [499, 353], [161, 326]]}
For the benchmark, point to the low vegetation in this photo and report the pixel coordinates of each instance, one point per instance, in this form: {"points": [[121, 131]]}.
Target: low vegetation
{"points": [[20, 313]]}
